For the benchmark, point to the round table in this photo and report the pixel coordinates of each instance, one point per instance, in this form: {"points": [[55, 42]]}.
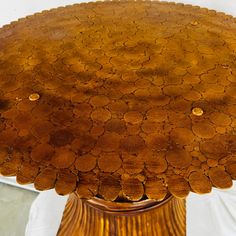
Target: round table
{"points": [[125, 105]]}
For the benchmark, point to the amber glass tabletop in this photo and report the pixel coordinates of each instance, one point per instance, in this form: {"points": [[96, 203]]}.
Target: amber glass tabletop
{"points": [[120, 101]]}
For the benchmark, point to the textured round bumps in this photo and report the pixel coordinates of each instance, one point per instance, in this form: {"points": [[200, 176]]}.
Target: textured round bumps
{"points": [[119, 107]]}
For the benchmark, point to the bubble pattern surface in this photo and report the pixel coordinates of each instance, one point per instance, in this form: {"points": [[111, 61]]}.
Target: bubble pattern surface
{"points": [[97, 98]]}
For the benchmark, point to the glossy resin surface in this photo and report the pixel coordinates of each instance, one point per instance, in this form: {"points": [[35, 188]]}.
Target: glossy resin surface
{"points": [[121, 100]]}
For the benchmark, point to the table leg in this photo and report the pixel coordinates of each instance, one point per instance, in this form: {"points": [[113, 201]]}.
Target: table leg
{"points": [[100, 218]]}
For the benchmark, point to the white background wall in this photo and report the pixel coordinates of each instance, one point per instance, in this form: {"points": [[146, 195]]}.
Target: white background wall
{"points": [[13, 9]]}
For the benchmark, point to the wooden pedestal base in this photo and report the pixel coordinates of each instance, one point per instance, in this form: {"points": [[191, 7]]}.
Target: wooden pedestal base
{"points": [[97, 217]]}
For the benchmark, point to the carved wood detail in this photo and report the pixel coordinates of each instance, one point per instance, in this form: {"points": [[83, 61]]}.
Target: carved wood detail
{"points": [[149, 218]]}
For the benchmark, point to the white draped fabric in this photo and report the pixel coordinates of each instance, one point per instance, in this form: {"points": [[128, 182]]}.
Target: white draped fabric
{"points": [[212, 214], [45, 214]]}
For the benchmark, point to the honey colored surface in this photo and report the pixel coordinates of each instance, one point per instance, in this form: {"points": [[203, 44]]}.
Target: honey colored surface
{"points": [[119, 100], [168, 219]]}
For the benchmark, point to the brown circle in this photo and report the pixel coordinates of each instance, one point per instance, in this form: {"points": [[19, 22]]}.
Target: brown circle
{"points": [[61, 137], [132, 144], [182, 136], [42, 152], [85, 162], [178, 158], [155, 162], [132, 189], [199, 183], [133, 117], [178, 186], [109, 162], [156, 115], [131, 163], [99, 100], [204, 130], [155, 189], [109, 141], [100, 115], [63, 158], [220, 178]]}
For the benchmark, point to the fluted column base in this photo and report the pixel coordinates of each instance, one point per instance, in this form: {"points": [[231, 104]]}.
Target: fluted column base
{"points": [[97, 217]]}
